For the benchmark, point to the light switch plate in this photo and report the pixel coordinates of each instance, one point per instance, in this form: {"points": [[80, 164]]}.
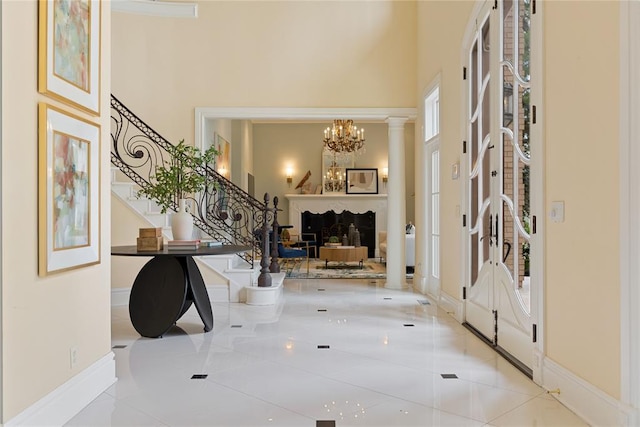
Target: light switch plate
{"points": [[556, 214]]}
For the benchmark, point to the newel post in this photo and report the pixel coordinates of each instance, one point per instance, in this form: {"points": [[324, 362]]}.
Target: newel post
{"points": [[275, 267], [264, 280]]}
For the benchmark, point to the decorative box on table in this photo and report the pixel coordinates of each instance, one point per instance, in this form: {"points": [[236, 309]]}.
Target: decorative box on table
{"points": [[150, 239]]}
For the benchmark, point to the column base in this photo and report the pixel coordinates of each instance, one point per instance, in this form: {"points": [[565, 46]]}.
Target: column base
{"points": [[394, 284]]}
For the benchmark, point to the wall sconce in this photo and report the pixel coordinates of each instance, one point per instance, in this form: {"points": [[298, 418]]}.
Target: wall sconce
{"points": [[507, 104], [385, 176], [289, 174], [222, 171]]}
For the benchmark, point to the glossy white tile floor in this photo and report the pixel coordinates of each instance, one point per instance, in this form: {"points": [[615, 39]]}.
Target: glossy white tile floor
{"points": [[264, 367]]}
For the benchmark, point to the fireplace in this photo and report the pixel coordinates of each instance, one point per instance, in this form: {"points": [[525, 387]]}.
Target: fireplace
{"points": [[330, 223], [374, 205]]}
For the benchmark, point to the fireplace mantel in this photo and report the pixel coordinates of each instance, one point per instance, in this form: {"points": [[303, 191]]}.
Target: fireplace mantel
{"points": [[356, 203]]}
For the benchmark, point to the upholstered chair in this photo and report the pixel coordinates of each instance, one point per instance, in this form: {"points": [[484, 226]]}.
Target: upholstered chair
{"points": [[382, 245]]}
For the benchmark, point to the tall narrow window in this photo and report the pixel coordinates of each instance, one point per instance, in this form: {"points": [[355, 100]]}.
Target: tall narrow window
{"points": [[432, 158], [435, 213], [432, 115]]}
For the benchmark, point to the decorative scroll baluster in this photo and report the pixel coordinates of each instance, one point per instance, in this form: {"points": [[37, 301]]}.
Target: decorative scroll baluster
{"points": [[223, 211]]}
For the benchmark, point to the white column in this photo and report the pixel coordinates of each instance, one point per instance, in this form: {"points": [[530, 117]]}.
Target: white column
{"points": [[396, 213], [246, 150]]}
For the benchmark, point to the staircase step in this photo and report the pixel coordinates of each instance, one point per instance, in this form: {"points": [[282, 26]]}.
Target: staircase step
{"points": [[236, 273]]}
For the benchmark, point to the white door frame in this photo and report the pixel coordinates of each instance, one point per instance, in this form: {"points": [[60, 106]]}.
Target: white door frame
{"points": [[536, 201], [629, 207]]}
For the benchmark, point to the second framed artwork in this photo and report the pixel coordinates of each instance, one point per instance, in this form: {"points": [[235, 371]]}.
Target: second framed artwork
{"points": [[68, 191], [69, 52], [362, 181]]}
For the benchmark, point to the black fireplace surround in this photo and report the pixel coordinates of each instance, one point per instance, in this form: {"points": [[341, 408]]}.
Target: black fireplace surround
{"points": [[325, 225]]}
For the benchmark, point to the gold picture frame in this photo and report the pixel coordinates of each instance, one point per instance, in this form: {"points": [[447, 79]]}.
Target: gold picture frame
{"points": [[69, 52], [223, 160], [68, 191]]}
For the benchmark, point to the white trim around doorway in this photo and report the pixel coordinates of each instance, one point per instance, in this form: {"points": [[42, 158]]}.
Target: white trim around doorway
{"points": [[629, 210]]}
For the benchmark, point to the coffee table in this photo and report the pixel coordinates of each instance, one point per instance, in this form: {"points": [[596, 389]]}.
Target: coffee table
{"points": [[344, 254]]}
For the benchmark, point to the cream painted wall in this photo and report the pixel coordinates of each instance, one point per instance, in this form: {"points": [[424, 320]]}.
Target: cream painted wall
{"points": [[124, 232], [582, 280], [264, 54], [43, 317], [277, 146], [445, 59]]}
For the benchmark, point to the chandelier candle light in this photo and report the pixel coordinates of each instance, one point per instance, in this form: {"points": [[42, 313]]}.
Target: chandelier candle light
{"points": [[344, 138]]}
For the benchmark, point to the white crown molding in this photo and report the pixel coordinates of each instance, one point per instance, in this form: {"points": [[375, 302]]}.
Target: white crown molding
{"points": [[304, 114], [156, 8]]}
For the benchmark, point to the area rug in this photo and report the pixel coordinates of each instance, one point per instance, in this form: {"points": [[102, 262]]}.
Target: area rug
{"points": [[372, 269]]}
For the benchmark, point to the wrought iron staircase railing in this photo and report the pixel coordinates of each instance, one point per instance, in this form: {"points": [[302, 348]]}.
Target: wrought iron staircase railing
{"points": [[223, 211]]}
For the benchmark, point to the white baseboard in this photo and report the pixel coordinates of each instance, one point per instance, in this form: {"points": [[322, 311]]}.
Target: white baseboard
{"points": [[420, 283], [588, 402], [451, 306], [66, 401], [217, 293], [120, 296]]}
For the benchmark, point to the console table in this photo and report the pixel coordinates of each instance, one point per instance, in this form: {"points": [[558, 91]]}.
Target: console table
{"points": [[166, 286], [343, 254]]}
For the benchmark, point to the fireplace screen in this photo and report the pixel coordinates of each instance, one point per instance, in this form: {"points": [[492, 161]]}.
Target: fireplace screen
{"points": [[330, 223]]}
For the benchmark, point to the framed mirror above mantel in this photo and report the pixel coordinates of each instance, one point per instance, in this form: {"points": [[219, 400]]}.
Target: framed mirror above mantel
{"points": [[334, 171]]}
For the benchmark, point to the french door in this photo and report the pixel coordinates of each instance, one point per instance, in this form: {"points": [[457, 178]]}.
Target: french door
{"points": [[497, 303]]}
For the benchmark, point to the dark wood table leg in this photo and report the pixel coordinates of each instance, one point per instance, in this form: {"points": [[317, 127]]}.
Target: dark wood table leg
{"points": [[158, 296], [163, 291], [199, 293]]}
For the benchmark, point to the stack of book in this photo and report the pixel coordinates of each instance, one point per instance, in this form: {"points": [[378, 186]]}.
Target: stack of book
{"points": [[183, 245], [210, 243]]}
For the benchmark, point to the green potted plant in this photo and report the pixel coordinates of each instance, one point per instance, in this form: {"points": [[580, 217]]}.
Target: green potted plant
{"points": [[333, 241], [175, 180]]}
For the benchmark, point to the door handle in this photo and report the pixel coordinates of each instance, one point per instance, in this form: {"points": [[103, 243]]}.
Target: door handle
{"points": [[497, 240], [506, 256], [490, 235], [491, 230]]}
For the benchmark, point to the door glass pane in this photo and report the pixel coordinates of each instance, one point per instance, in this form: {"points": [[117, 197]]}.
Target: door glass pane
{"points": [[479, 154], [515, 147]]}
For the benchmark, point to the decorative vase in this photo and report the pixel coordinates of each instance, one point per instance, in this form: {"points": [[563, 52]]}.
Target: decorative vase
{"points": [[352, 229], [182, 223]]}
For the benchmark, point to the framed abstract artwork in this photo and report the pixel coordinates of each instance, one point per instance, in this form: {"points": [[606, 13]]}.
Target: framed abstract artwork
{"points": [[69, 52], [362, 181], [68, 191], [223, 160]]}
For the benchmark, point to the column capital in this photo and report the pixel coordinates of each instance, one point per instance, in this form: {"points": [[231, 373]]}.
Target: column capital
{"points": [[397, 121]]}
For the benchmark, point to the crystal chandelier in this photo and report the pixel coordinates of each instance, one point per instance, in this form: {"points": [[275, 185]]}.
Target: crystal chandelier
{"points": [[344, 138]]}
